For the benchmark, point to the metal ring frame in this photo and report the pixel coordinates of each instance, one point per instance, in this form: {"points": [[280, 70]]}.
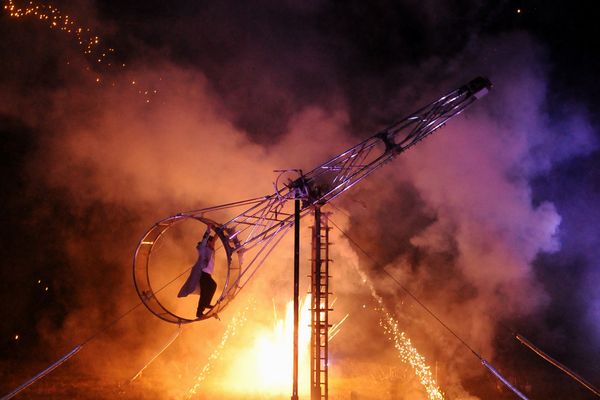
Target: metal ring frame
{"points": [[142, 265]]}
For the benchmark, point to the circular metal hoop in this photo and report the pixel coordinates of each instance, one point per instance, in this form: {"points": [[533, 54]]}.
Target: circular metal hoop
{"points": [[142, 265]]}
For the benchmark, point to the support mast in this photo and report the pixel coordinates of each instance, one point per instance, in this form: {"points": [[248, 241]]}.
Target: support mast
{"points": [[296, 294]]}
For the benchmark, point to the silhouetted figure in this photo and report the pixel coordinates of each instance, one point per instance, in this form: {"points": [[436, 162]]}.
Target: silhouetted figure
{"points": [[200, 279]]}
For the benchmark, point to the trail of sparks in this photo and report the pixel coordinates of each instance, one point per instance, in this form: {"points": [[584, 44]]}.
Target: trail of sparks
{"points": [[237, 321], [91, 44], [55, 19], [406, 351]]}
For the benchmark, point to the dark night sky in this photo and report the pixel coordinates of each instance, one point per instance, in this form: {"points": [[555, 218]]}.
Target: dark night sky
{"points": [[261, 63]]}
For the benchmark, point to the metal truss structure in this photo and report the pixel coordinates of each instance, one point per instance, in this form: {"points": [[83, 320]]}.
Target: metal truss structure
{"points": [[259, 224]]}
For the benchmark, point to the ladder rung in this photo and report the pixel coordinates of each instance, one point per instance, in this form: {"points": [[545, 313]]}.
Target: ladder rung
{"points": [[323, 325]]}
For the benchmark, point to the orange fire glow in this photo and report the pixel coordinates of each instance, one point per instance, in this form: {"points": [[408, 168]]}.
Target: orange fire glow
{"points": [[265, 367], [238, 320]]}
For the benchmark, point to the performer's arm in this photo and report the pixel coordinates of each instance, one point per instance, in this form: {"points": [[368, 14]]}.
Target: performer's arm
{"points": [[206, 236]]}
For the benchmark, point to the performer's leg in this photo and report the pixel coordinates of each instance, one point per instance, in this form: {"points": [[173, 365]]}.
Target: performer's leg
{"points": [[211, 288], [202, 299], [208, 286]]}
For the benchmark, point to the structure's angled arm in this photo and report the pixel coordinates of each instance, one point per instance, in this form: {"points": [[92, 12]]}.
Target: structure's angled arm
{"points": [[332, 178], [265, 220], [337, 175]]}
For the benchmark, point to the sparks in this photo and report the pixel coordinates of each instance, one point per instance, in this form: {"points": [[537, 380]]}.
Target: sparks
{"points": [[406, 351], [55, 19], [91, 45], [238, 320]]}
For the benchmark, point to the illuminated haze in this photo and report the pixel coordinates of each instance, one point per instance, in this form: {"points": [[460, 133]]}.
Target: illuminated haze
{"points": [[242, 91]]}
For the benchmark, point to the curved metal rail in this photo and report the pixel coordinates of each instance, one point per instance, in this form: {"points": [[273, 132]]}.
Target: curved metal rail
{"points": [[142, 263], [242, 261]]}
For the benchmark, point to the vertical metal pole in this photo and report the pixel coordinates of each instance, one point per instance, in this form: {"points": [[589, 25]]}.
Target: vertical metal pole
{"points": [[296, 294]]}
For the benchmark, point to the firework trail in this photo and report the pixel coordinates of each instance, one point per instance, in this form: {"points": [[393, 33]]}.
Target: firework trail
{"points": [[98, 55], [237, 321], [55, 19], [406, 351]]}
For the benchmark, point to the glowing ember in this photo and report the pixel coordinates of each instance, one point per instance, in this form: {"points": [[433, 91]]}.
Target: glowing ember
{"points": [[91, 44], [55, 19], [406, 351]]}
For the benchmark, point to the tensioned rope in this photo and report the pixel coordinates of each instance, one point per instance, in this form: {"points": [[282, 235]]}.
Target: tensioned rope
{"points": [[587, 385], [483, 361], [68, 355], [104, 328], [162, 350], [539, 352], [78, 347]]}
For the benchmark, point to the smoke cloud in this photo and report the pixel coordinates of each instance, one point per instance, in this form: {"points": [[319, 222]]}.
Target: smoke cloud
{"points": [[226, 95]]}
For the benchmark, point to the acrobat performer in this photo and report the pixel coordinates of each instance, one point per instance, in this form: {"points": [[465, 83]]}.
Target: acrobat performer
{"points": [[200, 279]]}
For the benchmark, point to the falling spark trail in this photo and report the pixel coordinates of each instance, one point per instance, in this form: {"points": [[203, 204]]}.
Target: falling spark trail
{"points": [[407, 352], [393, 323], [92, 46], [236, 322], [55, 19]]}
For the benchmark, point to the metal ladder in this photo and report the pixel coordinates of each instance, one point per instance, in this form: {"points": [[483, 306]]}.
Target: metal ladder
{"points": [[320, 307]]}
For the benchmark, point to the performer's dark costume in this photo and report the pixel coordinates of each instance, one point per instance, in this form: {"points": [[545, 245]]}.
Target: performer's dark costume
{"points": [[200, 279]]}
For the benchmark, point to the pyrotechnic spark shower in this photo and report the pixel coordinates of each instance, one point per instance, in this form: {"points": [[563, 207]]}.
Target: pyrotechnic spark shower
{"points": [[392, 323], [237, 321], [55, 19], [406, 351], [91, 44]]}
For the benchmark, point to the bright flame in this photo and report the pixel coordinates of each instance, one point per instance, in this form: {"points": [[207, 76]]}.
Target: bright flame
{"points": [[266, 366]]}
